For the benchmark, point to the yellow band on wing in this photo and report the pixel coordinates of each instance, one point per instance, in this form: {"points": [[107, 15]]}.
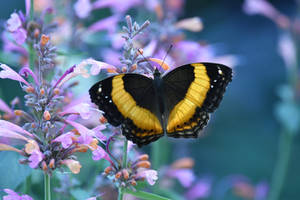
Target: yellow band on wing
{"points": [[141, 117], [194, 97]]}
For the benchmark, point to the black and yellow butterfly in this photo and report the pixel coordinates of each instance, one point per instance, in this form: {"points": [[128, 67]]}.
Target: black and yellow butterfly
{"points": [[177, 103]]}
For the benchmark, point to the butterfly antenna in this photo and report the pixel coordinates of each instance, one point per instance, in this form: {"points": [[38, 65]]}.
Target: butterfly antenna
{"points": [[139, 50], [168, 51]]}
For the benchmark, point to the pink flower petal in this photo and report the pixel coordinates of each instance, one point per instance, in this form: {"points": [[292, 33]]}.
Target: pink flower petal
{"points": [[86, 135], [149, 174], [109, 24], [5, 108], [83, 109], [83, 8], [13, 127], [35, 158], [7, 72], [14, 22], [20, 36], [11, 134], [65, 139], [184, 176]]}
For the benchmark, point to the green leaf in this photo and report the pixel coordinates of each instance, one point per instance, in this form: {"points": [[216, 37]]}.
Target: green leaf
{"points": [[145, 195], [12, 172]]}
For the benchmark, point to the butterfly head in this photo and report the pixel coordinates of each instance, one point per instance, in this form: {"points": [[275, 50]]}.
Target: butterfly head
{"points": [[156, 73]]}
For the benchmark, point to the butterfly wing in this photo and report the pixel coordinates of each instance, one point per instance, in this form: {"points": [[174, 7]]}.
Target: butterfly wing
{"points": [[192, 92], [129, 100]]}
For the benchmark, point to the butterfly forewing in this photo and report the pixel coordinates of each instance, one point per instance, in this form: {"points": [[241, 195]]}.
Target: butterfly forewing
{"points": [[130, 102], [191, 92]]}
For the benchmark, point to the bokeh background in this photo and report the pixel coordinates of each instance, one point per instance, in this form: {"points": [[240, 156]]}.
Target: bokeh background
{"points": [[241, 140]]}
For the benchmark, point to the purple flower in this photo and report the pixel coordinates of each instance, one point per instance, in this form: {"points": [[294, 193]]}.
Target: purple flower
{"points": [[5, 108], [25, 71], [287, 50], [83, 8], [149, 174], [83, 109], [35, 158], [99, 153], [27, 7], [201, 189], [7, 72], [109, 24], [117, 6], [14, 22], [20, 36], [86, 135], [184, 176], [98, 132], [111, 56], [13, 127], [8, 45], [65, 139], [261, 191], [80, 69], [12, 195], [262, 7]]}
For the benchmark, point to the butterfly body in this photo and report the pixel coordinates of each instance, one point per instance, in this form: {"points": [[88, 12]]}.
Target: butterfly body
{"points": [[176, 104]]}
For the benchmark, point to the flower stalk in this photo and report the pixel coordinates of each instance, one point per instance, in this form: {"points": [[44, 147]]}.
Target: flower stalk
{"points": [[124, 165], [47, 188], [30, 46]]}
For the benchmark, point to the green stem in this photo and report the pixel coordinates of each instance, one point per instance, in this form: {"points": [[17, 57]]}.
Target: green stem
{"points": [[31, 49], [124, 165], [47, 186], [31, 13], [285, 144], [121, 194]]}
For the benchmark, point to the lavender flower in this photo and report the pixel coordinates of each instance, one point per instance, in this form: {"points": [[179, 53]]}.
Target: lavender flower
{"points": [[14, 22], [83, 8], [12, 195]]}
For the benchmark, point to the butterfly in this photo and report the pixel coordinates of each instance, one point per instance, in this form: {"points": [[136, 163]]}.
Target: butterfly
{"points": [[177, 104]]}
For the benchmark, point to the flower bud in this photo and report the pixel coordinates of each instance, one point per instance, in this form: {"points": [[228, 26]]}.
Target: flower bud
{"points": [[140, 51], [47, 115], [133, 67], [36, 33], [124, 69], [18, 112], [102, 120], [52, 163], [42, 91], [44, 40], [29, 89], [107, 170], [183, 163], [133, 182], [94, 144], [44, 166], [143, 157], [144, 164], [125, 174], [56, 91], [118, 175]]}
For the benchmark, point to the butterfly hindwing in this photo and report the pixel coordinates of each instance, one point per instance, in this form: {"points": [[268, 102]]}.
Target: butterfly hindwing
{"points": [[191, 92], [131, 98]]}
